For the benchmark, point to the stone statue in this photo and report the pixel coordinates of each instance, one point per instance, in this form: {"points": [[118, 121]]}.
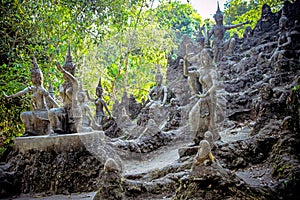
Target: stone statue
{"points": [[200, 37], [110, 184], [88, 122], [100, 104], [204, 154], [67, 119], [158, 94], [202, 115], [218, 30], [266, 22], [174, 116], [284, 40], [36, 121]]}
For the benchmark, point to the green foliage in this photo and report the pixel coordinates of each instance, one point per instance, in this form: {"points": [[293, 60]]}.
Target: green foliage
{"points": [[182, 18], [237, 11]]}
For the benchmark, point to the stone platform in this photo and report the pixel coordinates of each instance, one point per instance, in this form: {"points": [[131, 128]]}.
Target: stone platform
{"points": [[58, 143]]}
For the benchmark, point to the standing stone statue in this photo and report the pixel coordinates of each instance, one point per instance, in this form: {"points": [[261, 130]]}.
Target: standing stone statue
{"points": [[100, 104], [202, 116], [218, 30], [67, 119], [36, 121]]}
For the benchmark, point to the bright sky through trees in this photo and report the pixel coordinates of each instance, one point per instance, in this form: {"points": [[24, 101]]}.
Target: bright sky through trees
{"points": [[206, 8]]}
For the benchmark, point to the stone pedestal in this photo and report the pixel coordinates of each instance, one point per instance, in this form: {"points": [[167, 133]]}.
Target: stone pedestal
{"points": [[58, 143]]}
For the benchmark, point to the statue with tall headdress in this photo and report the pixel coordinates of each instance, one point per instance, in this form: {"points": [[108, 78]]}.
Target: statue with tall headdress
{"points": [[36, 121], [100, 104], [67, 119], [218, 30]]}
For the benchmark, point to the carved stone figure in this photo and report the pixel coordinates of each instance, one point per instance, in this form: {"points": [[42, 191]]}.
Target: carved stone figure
{"points": [[110, 186], [134, 107], [284, 40], [202, 115], [67, 119], [174, 116], [200, 37], [36, 121], [204, 154], [218, 30], [266, 22], [158, 94], [100, 104]]}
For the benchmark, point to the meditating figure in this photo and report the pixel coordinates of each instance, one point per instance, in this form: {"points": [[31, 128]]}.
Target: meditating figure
{"points": [[36, 121], [218, 30], [67, 119], [284, 40], [202, 115], [158, 94]]}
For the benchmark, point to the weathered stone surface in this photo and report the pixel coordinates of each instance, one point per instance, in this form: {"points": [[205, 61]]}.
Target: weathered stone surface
{"points": [[58, 143]]}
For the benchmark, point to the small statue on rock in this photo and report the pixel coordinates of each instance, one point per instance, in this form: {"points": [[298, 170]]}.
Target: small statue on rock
{"points": [[100, 104], [204, 155], [36, 121], [284, 40], [110, 184]]}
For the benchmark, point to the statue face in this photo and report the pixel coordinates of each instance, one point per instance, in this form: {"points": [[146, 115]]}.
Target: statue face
{"points": [[219, 18], [81, 97], [99, 91], [158, 80]]}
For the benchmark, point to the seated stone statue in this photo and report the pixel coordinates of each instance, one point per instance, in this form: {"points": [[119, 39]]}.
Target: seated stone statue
{"points": [[218, 30], [284, 40], [202, 115], [36, 121], [204, 154], [174, 116], [67, 119], [100, 104], [158, 94]]}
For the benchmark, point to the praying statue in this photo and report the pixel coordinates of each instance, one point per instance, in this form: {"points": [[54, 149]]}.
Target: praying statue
{"points": [[36, 121], [218, 30], [67, 119]]}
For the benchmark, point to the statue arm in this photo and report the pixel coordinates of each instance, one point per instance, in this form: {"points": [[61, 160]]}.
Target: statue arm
{"points": [[186, 71], [48, 96], [210, 33], [227, 27], [165, 95], [105, 106], [20, 93], [89, 97], [288, 42], [74, 81], [149, 95]]}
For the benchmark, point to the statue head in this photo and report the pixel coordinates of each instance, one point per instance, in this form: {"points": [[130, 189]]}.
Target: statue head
{"points": [[206, 57], [69, 65], [99, 89], [204, 149], [218, 16], [265, 11], [266, 91], [36, 74], [158, 77], [283, 20], [81, 97]]}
